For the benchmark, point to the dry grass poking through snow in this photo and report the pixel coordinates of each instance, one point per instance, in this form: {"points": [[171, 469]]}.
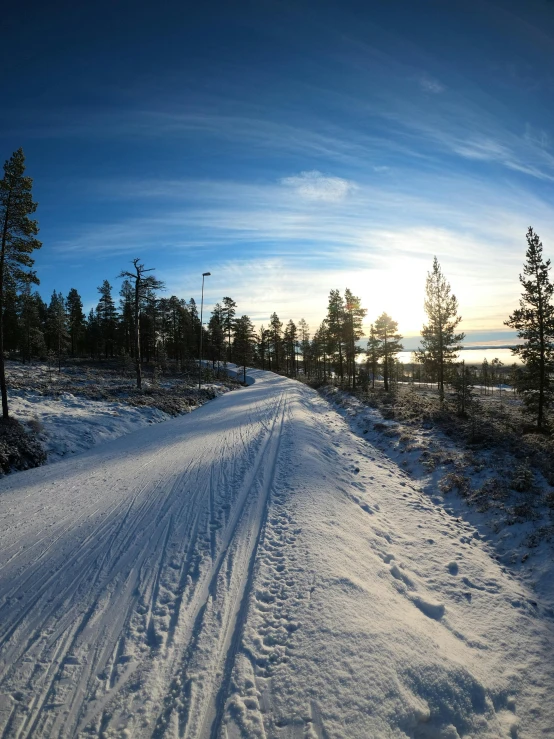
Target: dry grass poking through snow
{"points": [[491, 459], [87, 403]]}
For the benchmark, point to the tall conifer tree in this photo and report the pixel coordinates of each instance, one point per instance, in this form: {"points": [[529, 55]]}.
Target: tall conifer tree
{"points": [[143, 285], [18, 241], [386, 333], [243, 344], [76, 319], [353, 316], [534, 323], [440, 343], [228, 315], [276, 341]]}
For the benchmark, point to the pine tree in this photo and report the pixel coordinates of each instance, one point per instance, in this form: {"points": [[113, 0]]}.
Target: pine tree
{"points": [[335, 329], [229, 312], [76, 319], [216, 340], [353, 316], [18, 242], [304, 334], [263, 339], [12, 330], [386, 333], [142, 287], [320, 342], [290, 345], [440, 343], [534, 323], [243, 343]]}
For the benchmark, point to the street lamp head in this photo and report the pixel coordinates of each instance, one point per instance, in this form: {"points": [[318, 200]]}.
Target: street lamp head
{"points": [[206, 274]]}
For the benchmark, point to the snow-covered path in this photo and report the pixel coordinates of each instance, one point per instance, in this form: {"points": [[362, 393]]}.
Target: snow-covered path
{"points": [[254, 569]]}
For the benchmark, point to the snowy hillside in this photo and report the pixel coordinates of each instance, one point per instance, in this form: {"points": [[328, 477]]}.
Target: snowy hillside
{"points": [[254, 569], [84, 406]]}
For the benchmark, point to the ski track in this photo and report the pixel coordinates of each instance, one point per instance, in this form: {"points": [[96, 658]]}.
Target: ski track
{"points": [[122, 588], [156, 587]]}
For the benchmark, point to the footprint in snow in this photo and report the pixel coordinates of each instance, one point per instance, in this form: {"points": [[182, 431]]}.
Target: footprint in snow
{"points": [[429, 608], [397, 573]]}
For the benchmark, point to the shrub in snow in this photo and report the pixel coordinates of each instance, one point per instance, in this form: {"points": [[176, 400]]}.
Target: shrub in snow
{"points": [[19, 449], [455, 481], [523, 479]]}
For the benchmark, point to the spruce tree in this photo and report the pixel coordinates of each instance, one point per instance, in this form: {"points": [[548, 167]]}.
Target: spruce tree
{"points": [[463, 385], [32, 335], [18, 241], [276, 341], [58, 334], [440, 343], [386, 333], [534, 323], [107, 316], [76, 319]]}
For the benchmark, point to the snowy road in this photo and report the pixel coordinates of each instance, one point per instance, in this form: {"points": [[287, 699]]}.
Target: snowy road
{"points": [[255, 570]]}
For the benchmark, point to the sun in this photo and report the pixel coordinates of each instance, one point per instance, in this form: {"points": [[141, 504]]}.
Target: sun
{"points": [[398, 290]]}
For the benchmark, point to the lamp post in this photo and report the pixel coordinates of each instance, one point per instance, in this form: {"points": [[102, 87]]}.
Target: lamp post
{"points": [[204, 274]]}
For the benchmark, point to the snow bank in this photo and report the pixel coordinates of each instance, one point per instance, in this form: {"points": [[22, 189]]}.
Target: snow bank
{"points": [[69, 424]]}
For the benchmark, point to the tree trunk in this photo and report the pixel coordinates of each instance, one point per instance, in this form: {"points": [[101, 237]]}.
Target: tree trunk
{"points": [[137, 333], [3, 388]]}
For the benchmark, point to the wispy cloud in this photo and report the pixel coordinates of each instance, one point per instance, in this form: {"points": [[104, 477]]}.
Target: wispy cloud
{"points": [[428, 84], [276, 250], [314, 185]]}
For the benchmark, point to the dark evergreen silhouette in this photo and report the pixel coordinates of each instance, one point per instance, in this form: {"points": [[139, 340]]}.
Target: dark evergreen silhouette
{"points": [[18, 241], [534, 323], [244, 343]]}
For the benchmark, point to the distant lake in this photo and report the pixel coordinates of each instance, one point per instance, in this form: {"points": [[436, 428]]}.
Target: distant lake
{"points": [[474, 356]]}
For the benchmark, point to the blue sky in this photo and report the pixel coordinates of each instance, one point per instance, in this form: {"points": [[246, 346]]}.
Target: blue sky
{"points": [[289, 148]]}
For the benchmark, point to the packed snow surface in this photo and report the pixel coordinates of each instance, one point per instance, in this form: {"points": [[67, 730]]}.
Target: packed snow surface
{"points": [[254, 569]]}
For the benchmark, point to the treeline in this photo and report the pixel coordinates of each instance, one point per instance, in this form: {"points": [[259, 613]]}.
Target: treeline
{"points": [[33, 328], [141, 325]]}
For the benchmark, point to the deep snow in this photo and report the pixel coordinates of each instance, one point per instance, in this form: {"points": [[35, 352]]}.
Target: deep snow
{"points": [[256, 569]]}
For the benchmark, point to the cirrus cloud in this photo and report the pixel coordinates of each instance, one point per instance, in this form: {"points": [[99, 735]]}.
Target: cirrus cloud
{"points": [[314, 185]]}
